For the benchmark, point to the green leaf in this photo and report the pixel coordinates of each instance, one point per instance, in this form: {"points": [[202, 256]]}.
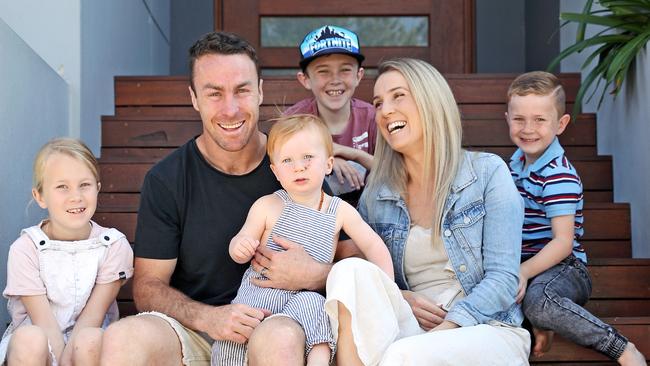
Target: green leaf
{"points": [[613, 38], [627, 54], [601, 50], [580, 34]]}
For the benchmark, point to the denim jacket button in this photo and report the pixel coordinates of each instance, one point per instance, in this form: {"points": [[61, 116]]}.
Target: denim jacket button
{"points": [[447, 233], [466, 220], [462, 268]]}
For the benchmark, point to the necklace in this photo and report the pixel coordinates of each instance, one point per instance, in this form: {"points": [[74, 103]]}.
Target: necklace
{"points": [[320, 203]]}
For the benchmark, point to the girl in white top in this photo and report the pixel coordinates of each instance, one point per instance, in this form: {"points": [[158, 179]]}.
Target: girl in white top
{"points": [[63, 275]]}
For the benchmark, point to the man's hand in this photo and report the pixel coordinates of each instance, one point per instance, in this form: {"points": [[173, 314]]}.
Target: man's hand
{"points": [[291, 269], [234, 322], [428, 314], [344, 171]]}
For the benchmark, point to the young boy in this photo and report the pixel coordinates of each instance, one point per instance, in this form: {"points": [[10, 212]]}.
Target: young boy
{"points": [[553, 262], [330, 61]]}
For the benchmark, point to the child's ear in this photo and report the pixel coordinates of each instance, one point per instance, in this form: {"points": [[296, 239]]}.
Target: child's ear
{"points": [[274, 172], [330, 165], [99, 186], [360, 73], [564, 121], [303, 78], [505, 114], [38, 198]]}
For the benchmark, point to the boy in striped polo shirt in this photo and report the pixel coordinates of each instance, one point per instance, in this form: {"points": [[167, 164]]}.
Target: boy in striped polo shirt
{"points": [[553, 281]]}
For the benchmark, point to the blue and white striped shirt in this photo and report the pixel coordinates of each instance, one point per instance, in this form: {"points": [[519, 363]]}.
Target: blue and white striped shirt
{"points": [[550, 187]]}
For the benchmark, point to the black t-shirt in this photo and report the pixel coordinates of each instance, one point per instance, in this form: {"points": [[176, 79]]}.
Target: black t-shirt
{"points": [[189, 211]]}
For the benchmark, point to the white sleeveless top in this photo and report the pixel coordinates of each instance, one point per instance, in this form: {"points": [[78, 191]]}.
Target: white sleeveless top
{"points": [[427, 268]]}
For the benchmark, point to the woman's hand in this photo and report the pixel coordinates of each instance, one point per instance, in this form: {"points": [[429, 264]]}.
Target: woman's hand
{"points": [[428, 314]]}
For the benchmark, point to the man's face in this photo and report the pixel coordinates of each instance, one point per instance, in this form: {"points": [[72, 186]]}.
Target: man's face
{"points": [[228, 96]]}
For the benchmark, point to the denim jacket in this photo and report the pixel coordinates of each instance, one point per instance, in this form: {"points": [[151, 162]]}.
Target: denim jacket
{"points": [[481, 232]]}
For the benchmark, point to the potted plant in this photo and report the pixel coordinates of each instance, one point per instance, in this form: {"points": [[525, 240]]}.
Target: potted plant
{"points": [[625, 31]]}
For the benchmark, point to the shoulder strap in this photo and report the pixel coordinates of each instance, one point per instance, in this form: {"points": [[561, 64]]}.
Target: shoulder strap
{"points": [[110, 236], [38, 237], [334, 205], [283, 195]]}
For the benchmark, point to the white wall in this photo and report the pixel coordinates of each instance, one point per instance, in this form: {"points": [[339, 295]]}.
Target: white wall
{"points": [[88, 43], [118, 37], [33, 109], [623, 132], [52, 29]]}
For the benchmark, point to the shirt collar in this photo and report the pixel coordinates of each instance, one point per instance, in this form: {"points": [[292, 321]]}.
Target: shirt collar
{"points": [[552, 152]]}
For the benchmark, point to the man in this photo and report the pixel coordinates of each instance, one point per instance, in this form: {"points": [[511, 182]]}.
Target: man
{"points": [[192, 203]]}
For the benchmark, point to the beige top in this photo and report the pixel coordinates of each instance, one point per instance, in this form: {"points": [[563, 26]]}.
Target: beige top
{"points": [[428, 270]]}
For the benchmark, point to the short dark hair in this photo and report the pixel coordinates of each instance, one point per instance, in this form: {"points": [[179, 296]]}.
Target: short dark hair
{"points": [[221, 43]]}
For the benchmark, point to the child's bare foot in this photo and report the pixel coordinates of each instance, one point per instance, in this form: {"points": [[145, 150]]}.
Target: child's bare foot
{"points": [[631, 356], [543, 341]]}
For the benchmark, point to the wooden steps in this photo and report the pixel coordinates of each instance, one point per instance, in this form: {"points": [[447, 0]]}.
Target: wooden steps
{"points": [[154, 115]]}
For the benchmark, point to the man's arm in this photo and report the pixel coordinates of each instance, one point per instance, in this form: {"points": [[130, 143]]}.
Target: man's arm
{"points": [[152, 292]]}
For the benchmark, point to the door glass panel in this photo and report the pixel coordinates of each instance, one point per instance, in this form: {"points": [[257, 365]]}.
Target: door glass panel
{"points": [[374, 31]]}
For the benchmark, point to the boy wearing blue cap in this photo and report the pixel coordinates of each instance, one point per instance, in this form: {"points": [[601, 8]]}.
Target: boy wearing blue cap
{"points": [[330, 62]]}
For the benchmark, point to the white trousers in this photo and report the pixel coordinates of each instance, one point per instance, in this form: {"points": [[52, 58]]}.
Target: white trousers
{"points": [[386, 332]]}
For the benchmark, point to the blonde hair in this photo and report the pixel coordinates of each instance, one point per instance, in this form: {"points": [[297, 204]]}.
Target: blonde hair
{"points": [[64, 145], [539, 83], [442, 135], [286, 126]]}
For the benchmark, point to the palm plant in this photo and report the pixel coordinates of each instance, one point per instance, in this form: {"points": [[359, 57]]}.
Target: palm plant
{"points": [[625, 31]]}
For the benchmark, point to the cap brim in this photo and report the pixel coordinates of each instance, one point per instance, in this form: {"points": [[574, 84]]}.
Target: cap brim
{"points": [[341, 51]]}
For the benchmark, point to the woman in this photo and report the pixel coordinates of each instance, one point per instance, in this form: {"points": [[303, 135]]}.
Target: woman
{"points": [[452, 222]]}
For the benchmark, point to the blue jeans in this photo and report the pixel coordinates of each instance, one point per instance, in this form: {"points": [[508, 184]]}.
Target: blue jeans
{"points": [[553, 302]]}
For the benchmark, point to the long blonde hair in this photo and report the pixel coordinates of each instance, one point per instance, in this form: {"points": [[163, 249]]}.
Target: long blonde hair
{"points": [[442, 132]]}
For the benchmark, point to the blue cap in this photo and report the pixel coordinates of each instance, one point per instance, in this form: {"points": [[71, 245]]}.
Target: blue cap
{"points": [[326, 40]]}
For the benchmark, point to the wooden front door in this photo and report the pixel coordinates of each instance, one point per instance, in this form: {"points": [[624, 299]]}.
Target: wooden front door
{"points": [[438, 31]]}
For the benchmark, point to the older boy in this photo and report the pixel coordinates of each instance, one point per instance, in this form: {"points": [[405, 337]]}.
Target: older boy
{"points": [[553, 262], [331, 69]]}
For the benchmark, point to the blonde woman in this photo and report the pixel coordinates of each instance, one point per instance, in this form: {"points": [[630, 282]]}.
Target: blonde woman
{"points": [[452, 222]]}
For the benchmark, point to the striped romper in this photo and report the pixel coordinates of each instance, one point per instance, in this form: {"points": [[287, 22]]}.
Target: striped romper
{"points": [[315, 231]]}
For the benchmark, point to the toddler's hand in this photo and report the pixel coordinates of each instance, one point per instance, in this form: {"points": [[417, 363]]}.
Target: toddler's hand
{"points": [[244, 249]]}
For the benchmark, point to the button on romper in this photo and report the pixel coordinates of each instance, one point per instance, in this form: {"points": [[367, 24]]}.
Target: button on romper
{"points": [[315, 231]]}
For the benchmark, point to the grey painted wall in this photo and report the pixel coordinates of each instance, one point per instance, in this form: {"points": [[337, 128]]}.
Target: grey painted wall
{"points": [[33, 109], [623, 132], [515, 36], [190, 20], [88, 43], [52, 30], [119, 37]]}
